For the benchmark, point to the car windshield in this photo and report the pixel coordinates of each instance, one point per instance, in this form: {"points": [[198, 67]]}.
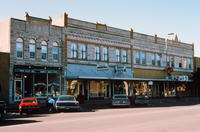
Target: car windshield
{"points": [[67, 98], [29, 101]]}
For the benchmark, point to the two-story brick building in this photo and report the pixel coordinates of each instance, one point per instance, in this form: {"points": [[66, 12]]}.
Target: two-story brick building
{"points": [[35, 65]]}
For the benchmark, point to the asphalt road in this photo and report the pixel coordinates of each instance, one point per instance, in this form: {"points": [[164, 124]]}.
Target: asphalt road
{"points": [[159, 119]]}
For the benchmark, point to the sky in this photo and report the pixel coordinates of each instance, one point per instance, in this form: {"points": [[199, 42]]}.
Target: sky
{"points": [[160, 17]]}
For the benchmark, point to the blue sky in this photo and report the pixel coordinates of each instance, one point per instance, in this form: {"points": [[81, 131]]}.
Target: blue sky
{"points": [[145, 16]]}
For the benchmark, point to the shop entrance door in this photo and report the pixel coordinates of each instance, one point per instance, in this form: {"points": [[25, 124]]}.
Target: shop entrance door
{"points": [[17, 90]]}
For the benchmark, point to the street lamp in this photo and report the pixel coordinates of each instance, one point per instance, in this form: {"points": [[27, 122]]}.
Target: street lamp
{"points": [[166, 45]]}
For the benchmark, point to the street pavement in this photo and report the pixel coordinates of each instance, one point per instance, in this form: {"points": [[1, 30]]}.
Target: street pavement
{"points": [[146, 119]]}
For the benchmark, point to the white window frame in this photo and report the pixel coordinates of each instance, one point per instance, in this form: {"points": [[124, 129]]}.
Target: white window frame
{"points": [[83, 51], [74, 50], [137, 57], [97, 53], [105, 54], [124, 56], [158, 59], [144, 58], [32, 49], [44, 50], [55, 54], [19, 48], [153, 59], [117, 55]]}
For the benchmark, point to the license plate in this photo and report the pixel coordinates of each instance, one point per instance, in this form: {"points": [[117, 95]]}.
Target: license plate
{"points": [[67, 107]]}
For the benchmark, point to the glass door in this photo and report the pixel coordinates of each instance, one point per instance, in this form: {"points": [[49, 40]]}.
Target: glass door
{"points": [[18, 90]]}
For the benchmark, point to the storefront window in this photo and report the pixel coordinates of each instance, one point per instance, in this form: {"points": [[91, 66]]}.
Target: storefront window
{"points": [[121, 87], [54, 84], [40, 89], [141, 88], [98, 89]]}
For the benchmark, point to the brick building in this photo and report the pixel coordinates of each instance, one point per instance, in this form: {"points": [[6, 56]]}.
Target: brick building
{"points": [[34, 64], [93, 60]]}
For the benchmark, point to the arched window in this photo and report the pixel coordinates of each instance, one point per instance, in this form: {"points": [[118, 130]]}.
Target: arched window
{"points": [[32, 48], [44, 50], [55, 51], [19, 47]]}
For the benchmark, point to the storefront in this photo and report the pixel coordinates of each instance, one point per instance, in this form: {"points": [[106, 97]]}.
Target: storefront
{"points": [[30, 81], [161, 88], [92, 83]]}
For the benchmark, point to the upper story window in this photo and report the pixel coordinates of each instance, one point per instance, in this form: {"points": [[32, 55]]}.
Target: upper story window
{"points": [[137, 58], [180, 62], [44, 50], [117, 55], [190, 63], [124, 56], [55, 51], [172, 61], [185, 64], [74, 50], [168, 61], [32, 48], [143, 57], [83, 51], [19, 47], [97, 53], [105, 54], [153, 59], [158, 58]]}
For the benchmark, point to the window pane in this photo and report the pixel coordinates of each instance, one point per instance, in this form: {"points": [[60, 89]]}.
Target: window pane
{"points": [[124, 53], [44, 52], [97, 53], [153, 59], [158, 59], [74, 50], [117, 55], [55, 52], [137, 57], [143, 58], [19, 47], [32, 50], [105, 54]]}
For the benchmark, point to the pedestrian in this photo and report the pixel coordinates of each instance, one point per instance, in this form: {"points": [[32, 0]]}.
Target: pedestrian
{"points": [[51, 105]]}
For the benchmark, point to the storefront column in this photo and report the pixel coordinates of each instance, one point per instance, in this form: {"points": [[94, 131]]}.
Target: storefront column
{"points": [[83, 89], [33, 85], [47, 82], [78, 90], [131, 89], [113, 88], [60, 84], [110, 90], [88, 89]]}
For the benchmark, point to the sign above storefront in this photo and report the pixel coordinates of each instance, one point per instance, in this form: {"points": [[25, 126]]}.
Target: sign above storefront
{"points": [[36, 71]]}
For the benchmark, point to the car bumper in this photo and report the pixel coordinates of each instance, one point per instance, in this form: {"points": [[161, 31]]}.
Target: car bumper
{"points": [[67, 107], [32, 109]]}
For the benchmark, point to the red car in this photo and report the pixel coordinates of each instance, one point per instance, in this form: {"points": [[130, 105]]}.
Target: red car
{"points": [[28, 105]]}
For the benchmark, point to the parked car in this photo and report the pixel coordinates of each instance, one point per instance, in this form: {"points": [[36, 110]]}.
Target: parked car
{"points": [[28, 105], [67, 102], [141, 100], [2, 109], [120, 100]]}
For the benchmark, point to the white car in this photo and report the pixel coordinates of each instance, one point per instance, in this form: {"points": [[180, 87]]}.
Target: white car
{"points": [[120, 100], [67, 102]]}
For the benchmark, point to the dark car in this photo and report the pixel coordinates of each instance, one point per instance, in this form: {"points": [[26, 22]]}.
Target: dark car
{"points": [[141, 100], [28, 105], [2, 109], [67, 102]]}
